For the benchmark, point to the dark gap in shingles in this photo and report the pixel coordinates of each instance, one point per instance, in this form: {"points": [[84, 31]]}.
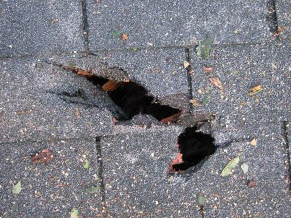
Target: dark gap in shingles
{"points": [[287, 148], [100, 174], [131, 97], [194, 147], [85, 25], [189, 77], [272, 17]]}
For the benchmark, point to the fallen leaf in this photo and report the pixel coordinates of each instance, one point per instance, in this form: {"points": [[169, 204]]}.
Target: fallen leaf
{"points": [[206, 99], [253, 142], [255, 90], [203, 48], [92, 189], [251, 183], [116, 33], [216, 82], [244, 103], [134, 49], [201, 200], [186, 64], [87, 164], [196, 102], [77, 112], [84, 73], [17, 188], [74, 213], [279, 31], [42, 156], [229, 167], [124, 36], [53, 21], [208, 69], [245, 168]]}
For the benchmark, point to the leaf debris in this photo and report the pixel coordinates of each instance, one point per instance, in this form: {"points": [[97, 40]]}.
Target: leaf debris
{"points": [[74, 213], [92, 189], [87, 164], [253, 142], [124, 36], [196, 102], [204, 47], [245, 168], [208, 69], [216, 82], [255, 90], [16, 189], [228, 169], [43, 156], [186, 64], [251, 183], [201, 200], [116, 33]]}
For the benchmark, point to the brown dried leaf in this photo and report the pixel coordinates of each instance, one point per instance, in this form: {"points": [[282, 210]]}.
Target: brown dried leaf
{"points": [[43, 156], [208, 69], [196, 102], [84, 73], [124, 36], [251, 183], [255, 90], [216, 82]]}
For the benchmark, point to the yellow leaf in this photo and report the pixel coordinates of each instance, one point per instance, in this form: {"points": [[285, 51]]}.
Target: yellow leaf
{"points": [[216, 82], [255, 90], [228, 169], [253, 142]]}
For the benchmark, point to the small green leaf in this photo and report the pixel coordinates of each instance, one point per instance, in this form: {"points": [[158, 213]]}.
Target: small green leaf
{"points": [[201, 200], [245, 168], [204, 47], [206, 99], [116, 33], [92, 189], [17, 188], [134, 49], [74, 213], [87, 164], [229, 167]]}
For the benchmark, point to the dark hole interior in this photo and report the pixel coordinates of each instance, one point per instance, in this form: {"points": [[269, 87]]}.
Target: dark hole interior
{"points": [[194, 147], [134, 99]]}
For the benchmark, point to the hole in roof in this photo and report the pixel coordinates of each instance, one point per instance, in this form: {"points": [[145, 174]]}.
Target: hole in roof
{"points": [[193, 147]]}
